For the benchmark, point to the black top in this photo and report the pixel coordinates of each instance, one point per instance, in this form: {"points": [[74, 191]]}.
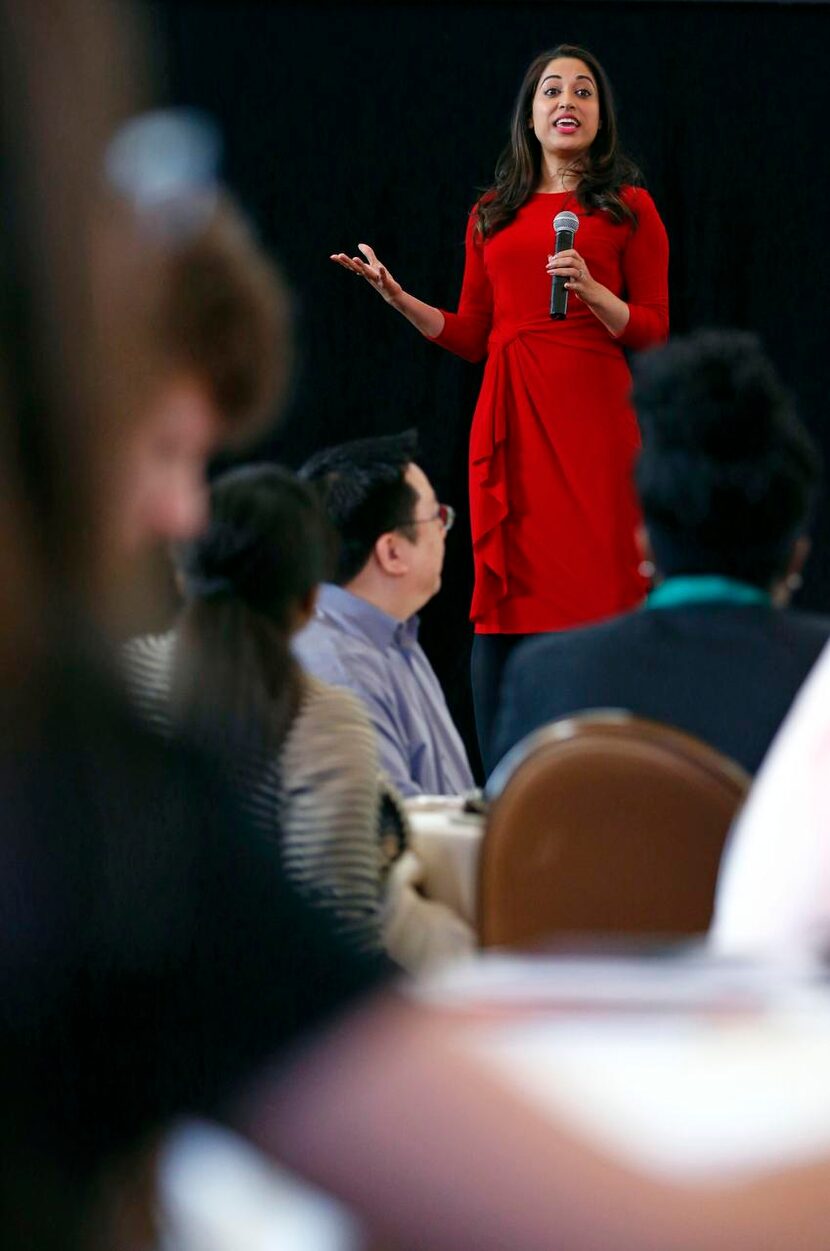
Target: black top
{"points": [[724, 672], [152, 954]]}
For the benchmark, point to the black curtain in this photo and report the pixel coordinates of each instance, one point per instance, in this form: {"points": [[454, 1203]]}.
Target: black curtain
{"points": [[372, 123]]}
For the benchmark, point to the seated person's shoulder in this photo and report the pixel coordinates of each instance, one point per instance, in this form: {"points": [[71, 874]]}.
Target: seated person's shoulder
{"points": [[147, 667], [322, 639], [561, 673], [799, 641], [147, 659], [560, 646], [335, 709], [337, 658], [813, 626]]}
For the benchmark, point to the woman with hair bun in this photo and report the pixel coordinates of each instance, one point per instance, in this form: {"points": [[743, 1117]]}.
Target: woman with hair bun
{"points": [[553, 437], [302, 754]]}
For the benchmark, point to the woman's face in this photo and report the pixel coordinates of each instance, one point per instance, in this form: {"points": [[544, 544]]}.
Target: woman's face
{"points": [[565, 117]]}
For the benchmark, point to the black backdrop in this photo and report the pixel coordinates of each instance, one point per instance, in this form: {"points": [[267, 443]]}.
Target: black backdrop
{"points": [[368, 122]]}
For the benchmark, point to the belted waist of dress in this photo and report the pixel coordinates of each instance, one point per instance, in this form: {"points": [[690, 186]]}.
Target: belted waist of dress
{"points": [[506, 331], [578, 333]]}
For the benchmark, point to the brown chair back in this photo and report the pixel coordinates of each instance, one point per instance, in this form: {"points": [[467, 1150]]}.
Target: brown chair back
{"points": [[605, 823]]}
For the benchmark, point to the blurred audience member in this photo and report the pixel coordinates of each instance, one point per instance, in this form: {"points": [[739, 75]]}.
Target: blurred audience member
{"points": [[364, 634], [304, 754], [214, 332], [151, 955], [218, 326], [773, 896], [726, 477]]}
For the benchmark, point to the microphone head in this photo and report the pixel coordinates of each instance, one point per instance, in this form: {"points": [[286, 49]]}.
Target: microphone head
{"points": [[566, 221]]}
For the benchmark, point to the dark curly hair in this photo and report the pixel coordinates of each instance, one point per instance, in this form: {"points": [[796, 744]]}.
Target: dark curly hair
{"points": [[728, 474]]}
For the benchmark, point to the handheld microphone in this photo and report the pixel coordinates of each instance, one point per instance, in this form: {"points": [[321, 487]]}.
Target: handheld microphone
{"points": [[565, 226]]}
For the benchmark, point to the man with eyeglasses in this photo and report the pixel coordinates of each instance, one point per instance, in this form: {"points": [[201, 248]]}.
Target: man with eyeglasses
{"points": [[364, 635]]}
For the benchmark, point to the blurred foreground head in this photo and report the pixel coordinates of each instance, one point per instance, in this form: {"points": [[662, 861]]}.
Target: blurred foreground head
{"points": [[143, 325], [728, 473], [213, 326]]}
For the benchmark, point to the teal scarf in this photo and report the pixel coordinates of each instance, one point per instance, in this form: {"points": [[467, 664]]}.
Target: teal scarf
{"points": [[705, 588]]}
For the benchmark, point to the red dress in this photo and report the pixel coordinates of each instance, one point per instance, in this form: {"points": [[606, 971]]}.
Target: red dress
{"points": [[554, 436]]}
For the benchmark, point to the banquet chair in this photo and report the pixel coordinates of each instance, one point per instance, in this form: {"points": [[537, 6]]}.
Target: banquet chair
{"points": [[604, 824]]}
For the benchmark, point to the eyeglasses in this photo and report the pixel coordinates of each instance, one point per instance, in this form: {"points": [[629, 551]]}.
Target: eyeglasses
{"points": [[445, 513]]}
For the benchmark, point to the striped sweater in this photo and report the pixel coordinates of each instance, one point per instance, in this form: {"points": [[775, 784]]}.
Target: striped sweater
{"points": [[320, 797]]}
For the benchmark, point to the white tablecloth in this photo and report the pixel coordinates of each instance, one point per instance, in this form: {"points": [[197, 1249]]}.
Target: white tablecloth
{"points": [[679, 1069], [447, 842]]}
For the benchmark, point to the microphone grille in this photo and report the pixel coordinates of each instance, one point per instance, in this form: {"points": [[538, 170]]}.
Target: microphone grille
{"points": [[566, 221]]}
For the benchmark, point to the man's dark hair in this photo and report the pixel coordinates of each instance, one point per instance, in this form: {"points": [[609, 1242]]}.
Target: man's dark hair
{"points": [[728, 473], [364, 493]]}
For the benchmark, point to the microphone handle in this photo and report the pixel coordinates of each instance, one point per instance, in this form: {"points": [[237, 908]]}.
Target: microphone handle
{"points": [[558, 291]]}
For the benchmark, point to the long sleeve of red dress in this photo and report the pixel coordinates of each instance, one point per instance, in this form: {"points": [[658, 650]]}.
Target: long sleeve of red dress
{"points": [[554, 437], [467, 331], [645, 266]]}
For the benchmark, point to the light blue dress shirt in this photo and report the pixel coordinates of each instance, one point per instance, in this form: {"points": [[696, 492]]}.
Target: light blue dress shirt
{"points": [[354, 644]]}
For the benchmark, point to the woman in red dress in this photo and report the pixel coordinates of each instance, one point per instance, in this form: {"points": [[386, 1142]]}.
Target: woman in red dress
{"points": [[554, 436]]}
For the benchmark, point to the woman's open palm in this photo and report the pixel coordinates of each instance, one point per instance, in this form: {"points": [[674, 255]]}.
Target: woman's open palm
{"points": [[376, 274]]}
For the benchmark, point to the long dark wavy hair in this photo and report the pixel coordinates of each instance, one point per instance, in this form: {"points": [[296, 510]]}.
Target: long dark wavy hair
{"points": [[604, 170], [236, 686]]}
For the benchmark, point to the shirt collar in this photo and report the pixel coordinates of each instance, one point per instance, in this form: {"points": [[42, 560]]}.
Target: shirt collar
{"points": [[705, 588], [358, 616]]}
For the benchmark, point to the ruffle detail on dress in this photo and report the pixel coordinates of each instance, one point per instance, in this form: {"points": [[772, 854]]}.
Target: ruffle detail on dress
{"points": [[488, 483]]}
